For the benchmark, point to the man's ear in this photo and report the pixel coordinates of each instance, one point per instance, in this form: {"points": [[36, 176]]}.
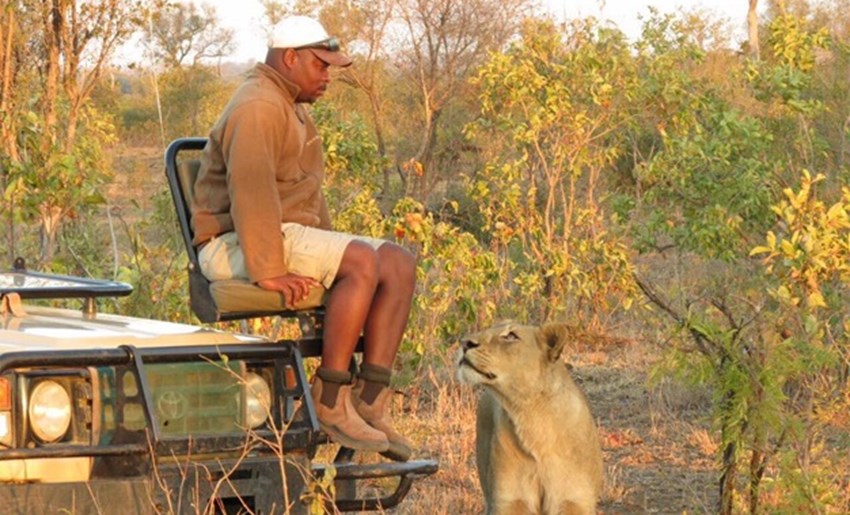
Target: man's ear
{"points": [[553, 337], [279, 58], [289, 57]]}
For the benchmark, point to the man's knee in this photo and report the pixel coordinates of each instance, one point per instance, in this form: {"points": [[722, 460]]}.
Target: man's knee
{"points": [[397, 264], [359, 259]]}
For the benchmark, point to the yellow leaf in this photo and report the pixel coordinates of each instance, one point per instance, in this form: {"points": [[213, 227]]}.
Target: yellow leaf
{"points": [[787, 248], [838, 215], [837, 210], [759, 250], [816, 300]]}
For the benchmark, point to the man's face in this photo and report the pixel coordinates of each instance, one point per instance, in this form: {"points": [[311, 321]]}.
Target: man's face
{"points": [[311, 74]]}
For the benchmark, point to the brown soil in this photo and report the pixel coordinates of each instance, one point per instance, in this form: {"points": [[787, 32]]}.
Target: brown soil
{"points": [[658, 448]]}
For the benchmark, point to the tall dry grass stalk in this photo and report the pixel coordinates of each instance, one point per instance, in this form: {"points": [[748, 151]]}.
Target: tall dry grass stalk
{"points": [[440, 418]]}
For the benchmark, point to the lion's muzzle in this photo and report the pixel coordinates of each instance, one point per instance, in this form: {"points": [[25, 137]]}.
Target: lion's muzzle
{"points": [[465, 363]]}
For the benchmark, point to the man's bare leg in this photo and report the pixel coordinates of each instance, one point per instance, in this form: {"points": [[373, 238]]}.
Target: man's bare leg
{"points": [[345, 312], [390, 308], [348, 304], [383, 331]]}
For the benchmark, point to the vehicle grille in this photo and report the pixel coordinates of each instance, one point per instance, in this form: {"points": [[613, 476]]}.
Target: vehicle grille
{"points": [[191, 398]]}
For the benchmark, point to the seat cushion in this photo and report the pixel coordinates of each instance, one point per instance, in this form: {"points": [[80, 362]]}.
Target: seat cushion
{"points": [[234, 296]]}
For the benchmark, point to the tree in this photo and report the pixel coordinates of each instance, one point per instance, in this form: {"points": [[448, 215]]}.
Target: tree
{"points": [[551, 112], [753, 29], [189, 92], [445, 41], [9, 67], [182, 31], [54, 157], [831, 86], [363, 25], [9, 32], [758, 332], [807, 265]]}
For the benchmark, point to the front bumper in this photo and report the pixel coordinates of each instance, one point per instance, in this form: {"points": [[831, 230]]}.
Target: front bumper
{"points": [[229, 486]]}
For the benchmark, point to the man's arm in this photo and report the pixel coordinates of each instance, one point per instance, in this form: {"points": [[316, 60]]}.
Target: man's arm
{"points": [[250, 146]]}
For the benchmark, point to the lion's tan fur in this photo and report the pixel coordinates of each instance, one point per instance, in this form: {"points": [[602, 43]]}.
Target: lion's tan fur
{"points": [[537, 445]]}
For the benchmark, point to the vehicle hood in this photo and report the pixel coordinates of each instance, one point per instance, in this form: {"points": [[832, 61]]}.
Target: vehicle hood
{"points": [[43, 328]]}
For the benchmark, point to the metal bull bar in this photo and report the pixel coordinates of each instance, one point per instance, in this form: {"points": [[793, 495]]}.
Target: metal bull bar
{"points": [[301, 434]]}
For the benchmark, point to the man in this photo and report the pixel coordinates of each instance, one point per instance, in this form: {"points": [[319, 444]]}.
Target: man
{"points": [[259, 213]]}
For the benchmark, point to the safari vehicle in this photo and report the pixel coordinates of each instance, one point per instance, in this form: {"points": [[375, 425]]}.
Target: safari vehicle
{"points": [[102, 413]]}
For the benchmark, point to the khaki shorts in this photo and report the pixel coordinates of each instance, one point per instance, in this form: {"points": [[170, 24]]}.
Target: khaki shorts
{"points": [[308, 251]]}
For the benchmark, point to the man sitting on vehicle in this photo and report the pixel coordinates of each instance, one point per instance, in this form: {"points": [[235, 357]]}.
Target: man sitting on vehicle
{"points": [[259, 214]]}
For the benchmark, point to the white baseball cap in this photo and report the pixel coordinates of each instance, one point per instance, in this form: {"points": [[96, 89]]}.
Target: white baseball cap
{"points": [[304, 32]]}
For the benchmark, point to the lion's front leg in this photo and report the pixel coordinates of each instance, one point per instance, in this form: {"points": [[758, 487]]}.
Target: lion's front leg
{"points": [[576, 496], [572, 508], [507, 473], [511, 508]]}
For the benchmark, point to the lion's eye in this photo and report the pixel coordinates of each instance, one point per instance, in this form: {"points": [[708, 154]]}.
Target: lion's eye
{"points": [[510, 337]]}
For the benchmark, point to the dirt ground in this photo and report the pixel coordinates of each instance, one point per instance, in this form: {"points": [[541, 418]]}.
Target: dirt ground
{"points": [[657, 445], [658, 448]]}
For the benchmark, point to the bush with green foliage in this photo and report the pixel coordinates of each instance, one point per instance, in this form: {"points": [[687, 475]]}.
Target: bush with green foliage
{"points": [[549, 112]]}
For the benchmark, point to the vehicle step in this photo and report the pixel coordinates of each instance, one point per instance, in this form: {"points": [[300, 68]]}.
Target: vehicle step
{"points": [[350, 472]]}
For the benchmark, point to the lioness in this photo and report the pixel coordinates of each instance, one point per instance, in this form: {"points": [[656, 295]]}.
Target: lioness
{"points": [[537, 446]]}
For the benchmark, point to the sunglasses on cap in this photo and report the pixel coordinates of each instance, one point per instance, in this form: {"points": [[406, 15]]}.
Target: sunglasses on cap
{"points": [[331, 44]]}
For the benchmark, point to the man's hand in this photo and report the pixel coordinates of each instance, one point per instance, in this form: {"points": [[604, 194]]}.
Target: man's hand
{"points": [[293, 287]]}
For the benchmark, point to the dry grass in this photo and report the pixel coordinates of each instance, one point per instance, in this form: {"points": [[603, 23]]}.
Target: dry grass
{"points": [[440, 417]]}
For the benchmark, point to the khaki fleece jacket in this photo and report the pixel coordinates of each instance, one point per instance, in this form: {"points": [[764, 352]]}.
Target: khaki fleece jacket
{"points": [[261, 166]]}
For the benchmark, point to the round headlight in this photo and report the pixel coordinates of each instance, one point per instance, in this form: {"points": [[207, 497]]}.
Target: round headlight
{"points": [[257, 400], [49, 411]]}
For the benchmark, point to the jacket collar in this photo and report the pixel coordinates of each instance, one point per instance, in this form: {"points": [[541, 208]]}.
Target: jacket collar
{"points": [[288, 87]]}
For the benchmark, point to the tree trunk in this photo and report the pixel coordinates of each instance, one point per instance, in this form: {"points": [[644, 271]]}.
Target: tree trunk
{"points": [[51, 218], [7, 29], [71, 132], [729, 477], [753, 29], [52, 41], [758, 460], [377, 121], [727, 480], [8, 143], [425, 155], [7, 132]]}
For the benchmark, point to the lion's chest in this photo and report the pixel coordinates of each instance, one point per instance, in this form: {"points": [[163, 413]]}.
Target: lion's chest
{"points": [[538, 448], [544, 429]]}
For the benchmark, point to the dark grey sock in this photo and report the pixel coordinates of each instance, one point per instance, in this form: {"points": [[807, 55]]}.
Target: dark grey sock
{"points": [[375, 378], [332, 380]]}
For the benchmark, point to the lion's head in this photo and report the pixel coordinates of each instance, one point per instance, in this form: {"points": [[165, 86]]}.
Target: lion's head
{"points": [[510, 353], [533, 424]]}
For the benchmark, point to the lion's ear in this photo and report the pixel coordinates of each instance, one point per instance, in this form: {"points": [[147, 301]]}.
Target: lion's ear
{"points": [[553, 336]]}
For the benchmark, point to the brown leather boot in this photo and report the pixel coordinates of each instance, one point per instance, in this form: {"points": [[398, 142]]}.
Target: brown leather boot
{"points": [[377, 414], [342, 423]]}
